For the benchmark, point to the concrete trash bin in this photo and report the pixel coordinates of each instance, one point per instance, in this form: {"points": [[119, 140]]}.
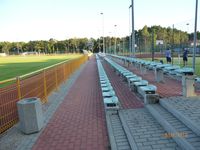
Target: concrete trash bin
{"points": [[30, 115]]}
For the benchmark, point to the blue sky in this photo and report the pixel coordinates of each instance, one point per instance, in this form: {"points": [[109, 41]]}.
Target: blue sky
{"points": [[24, 20]]}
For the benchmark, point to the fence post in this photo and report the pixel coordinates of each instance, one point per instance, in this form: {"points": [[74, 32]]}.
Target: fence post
{"points": [[73, 66], [67, 70], [56, 78], [45, 85], [18, 88], [64, 72]]}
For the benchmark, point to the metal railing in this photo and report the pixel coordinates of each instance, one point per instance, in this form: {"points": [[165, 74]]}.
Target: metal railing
{"points": [[36, 84]]}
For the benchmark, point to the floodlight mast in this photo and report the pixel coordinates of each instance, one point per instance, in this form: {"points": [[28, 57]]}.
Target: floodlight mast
{"points": [[133, 30], [103, 31], [195, 37]]}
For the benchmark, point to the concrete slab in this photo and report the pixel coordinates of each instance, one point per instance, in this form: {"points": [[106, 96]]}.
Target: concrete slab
{"points": [[146, 132], [186, 109]]}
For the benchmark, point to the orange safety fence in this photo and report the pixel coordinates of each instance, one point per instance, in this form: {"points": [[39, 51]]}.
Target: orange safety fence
{"points": [[38, 84]]}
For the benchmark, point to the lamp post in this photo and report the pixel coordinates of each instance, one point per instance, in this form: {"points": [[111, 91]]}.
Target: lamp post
{"points": [[103, 31], [137, 41], [187, 27], [133, 30], [139, 49], [99, 45], [110, 42], [187, 24], [195, 37], [172, 51], [123, 47], [130, 49], [153, 45], [115, 40]]}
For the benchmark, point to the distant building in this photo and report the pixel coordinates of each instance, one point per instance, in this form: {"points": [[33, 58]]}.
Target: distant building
{"points": [[192, 43], [29, 53], [159, 42], [3, 54]]}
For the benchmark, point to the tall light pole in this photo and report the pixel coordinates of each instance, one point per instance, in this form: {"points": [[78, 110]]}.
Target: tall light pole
{"points": [[115, 39], [187, 27], [195, 37], [103, 31], [110, 42], [123, 51], [172, 51], [188, 34], [130, 48], [99, 45], [133, 30], [153, 45]]}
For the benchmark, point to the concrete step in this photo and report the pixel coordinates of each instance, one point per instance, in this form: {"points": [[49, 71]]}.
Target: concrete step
{"points": [[127, 131], [176, 130], [144, 132], [186, 110], [116, 133]]}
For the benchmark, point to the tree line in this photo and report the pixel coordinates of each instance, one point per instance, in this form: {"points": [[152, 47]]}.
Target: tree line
{"points": [[73, 45], [172, 38], [145, 40]]}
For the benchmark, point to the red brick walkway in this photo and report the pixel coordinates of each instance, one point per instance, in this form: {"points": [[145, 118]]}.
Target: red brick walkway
{"points": [[170, 88], [79, 122], [127, 98]]}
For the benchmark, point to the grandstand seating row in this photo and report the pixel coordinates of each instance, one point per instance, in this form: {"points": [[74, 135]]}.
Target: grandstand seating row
{"points": [[169, 69], [109, 98], [135, 83]]}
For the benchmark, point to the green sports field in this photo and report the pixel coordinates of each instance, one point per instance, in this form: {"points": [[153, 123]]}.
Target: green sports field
{"points": [[13, 66]]}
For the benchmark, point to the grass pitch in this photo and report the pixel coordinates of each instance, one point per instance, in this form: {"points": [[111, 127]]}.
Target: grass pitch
{"points": [[13, 66]]}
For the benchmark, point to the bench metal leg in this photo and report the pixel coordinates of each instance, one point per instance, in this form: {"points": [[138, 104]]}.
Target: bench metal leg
{"points": [[159, 75], [143, 69], [188, 89]]}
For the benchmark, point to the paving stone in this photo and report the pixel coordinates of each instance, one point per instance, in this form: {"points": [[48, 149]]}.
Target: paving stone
{"points": [[123, 147], [159, 146], [149, 143], [189, 107], [118, 138], [145, 147], [80, 117], [121, 139], [138, 140], [149, 137], [180, 130]]}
